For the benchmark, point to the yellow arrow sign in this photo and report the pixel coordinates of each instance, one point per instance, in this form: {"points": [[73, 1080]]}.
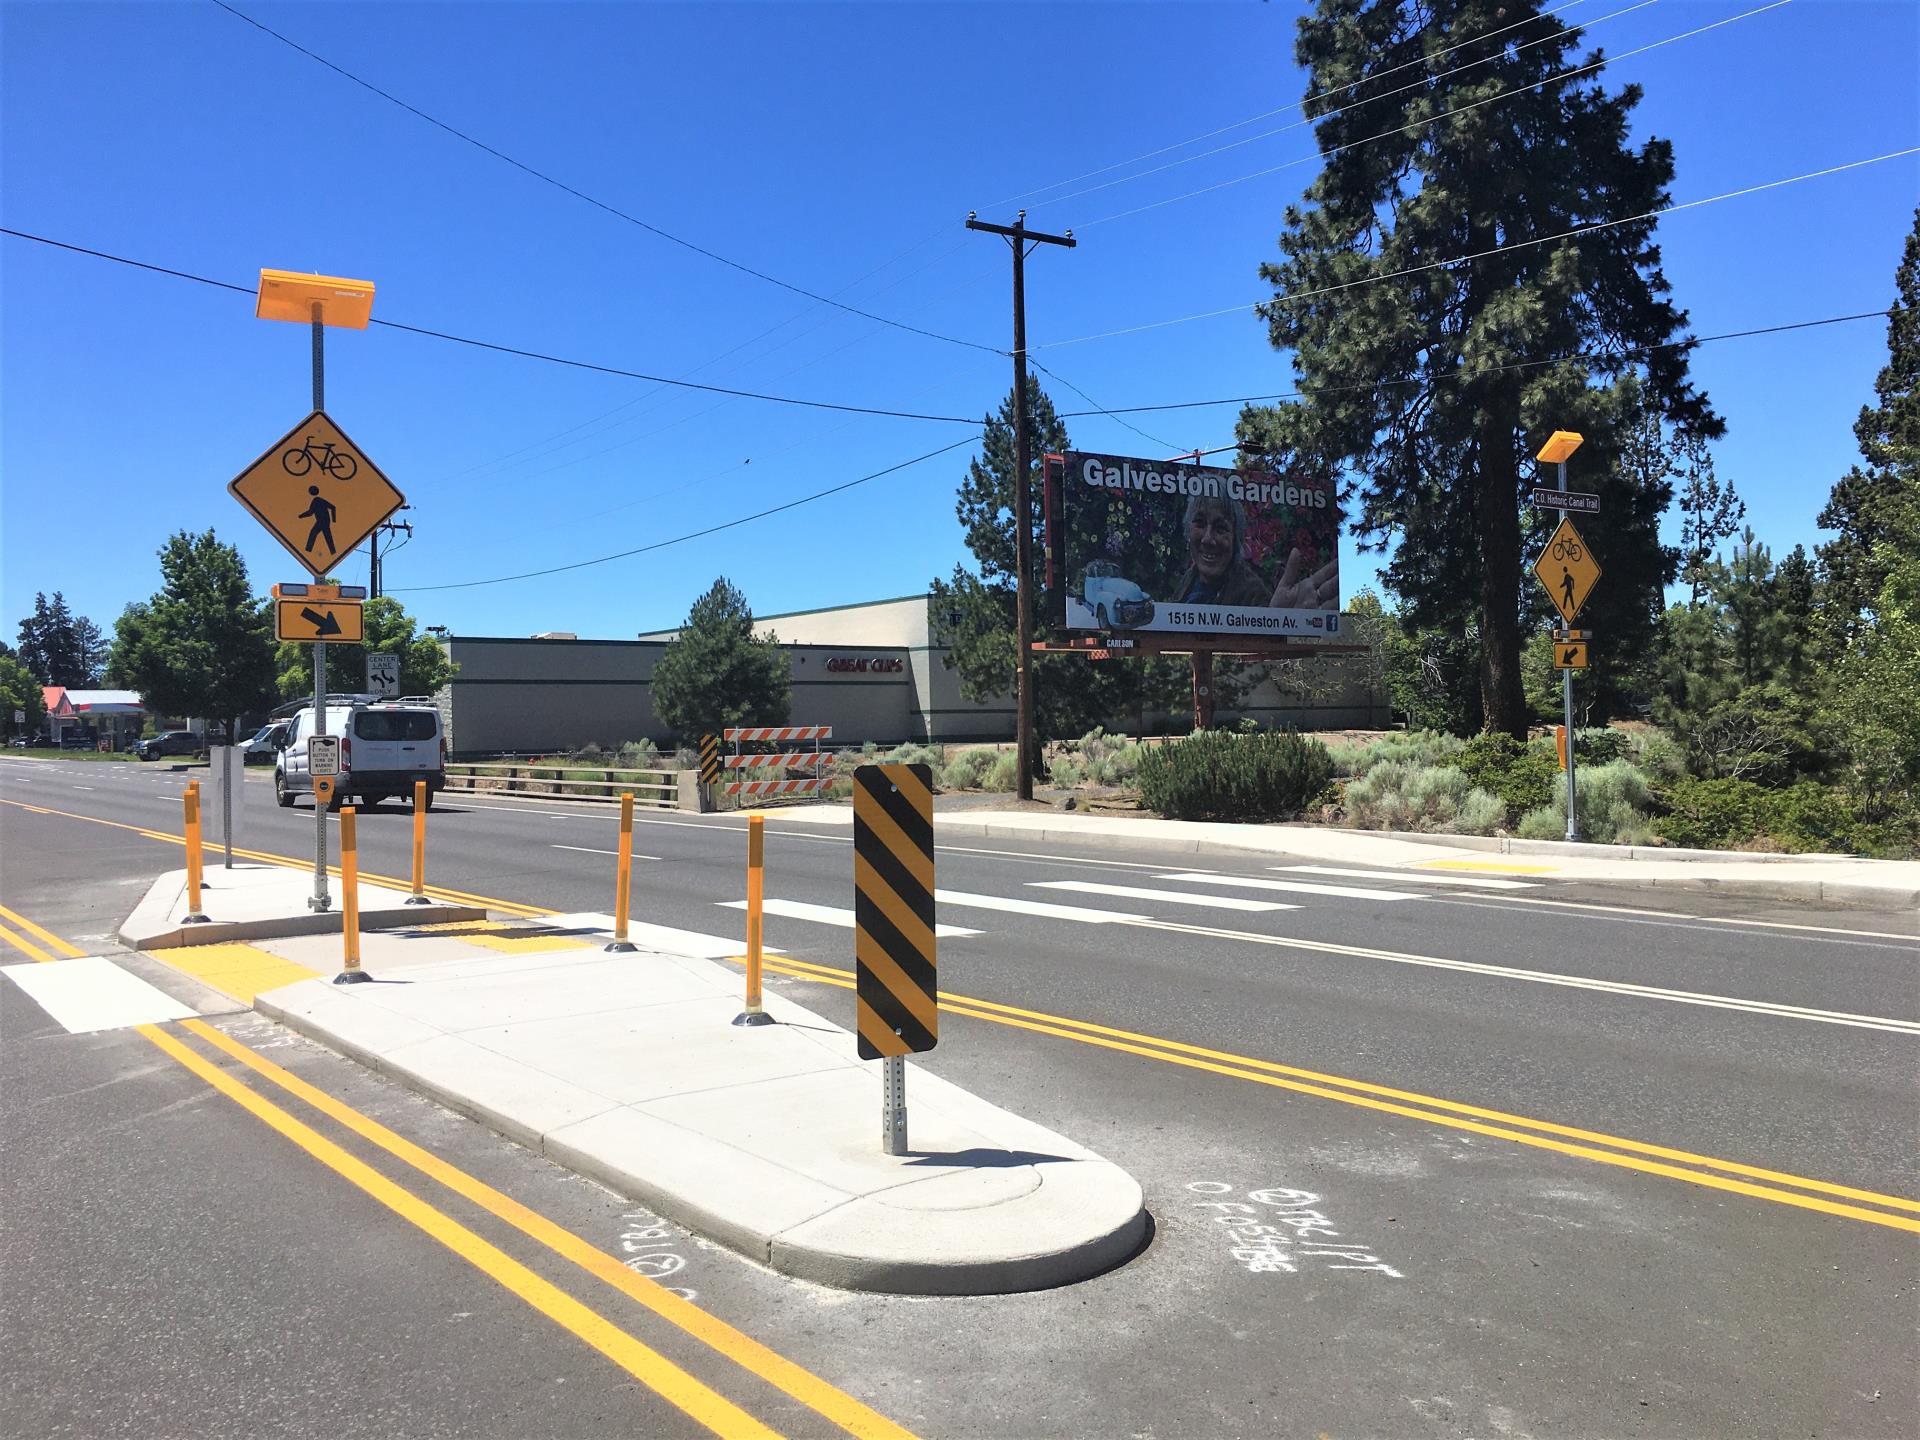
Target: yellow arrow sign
{"points": [[1567, 569], [317, 493], [1570, 654], [311, 620]]}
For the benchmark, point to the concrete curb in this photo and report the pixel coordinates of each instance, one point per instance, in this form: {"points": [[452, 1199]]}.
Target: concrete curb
{"points": [[155, 921], [1034, 1211]]}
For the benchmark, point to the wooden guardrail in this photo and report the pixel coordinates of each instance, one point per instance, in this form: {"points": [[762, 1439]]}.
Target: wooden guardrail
{"points": [[659, 789]]}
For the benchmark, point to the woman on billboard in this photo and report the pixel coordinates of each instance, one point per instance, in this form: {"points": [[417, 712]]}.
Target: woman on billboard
{"points": [[1219, 573]]}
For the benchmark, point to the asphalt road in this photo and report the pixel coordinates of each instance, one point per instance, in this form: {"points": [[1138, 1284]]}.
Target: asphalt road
{"points": [[1675, 1223]]}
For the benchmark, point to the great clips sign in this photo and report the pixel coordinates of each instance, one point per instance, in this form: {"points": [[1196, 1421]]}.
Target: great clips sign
{"points": [[866, 665]]}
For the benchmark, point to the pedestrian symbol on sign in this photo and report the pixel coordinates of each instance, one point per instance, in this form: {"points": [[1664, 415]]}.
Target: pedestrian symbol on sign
{"points": [[321, 511]]}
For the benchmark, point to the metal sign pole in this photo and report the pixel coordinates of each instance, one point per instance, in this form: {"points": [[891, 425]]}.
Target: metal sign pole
{"points": [[319, 900], [1566, 702], [893, 1105]]}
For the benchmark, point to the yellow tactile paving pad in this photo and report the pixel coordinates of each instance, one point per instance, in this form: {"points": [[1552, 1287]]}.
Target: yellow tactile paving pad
{"points": [[235, 968], [1488, 865], [507, 939]]}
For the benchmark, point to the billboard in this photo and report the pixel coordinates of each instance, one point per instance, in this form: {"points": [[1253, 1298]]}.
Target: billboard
{"points": [[1163, 547]]}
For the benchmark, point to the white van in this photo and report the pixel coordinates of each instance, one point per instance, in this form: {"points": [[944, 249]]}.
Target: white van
{"points": [[385, 746]]}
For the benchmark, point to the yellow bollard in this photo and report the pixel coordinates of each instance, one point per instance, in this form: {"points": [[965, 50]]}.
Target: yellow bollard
{"points": [[754, 1014], [419, 895], [191, 803], [351, 974], [623, 878]]}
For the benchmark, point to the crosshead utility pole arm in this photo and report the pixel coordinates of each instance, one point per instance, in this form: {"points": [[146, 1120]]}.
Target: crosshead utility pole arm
{"points": [[1017, 235]]}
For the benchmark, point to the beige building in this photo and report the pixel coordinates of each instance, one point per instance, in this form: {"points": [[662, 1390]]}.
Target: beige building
{"points": [[872, 671]]}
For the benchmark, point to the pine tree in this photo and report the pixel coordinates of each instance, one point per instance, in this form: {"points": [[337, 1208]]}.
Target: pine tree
{"points": [[716, 672], [59, 647], [1710, 512], [1431, 388], [1872, 506]]}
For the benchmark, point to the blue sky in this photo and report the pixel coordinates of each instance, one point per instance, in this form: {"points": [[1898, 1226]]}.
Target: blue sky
{"points": [[839, 147]]}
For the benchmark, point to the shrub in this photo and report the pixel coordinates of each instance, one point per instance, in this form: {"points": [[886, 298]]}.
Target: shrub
{"points": [[1613, 799], [1213, 775], [1403, 796], [1066, 770], [1107, 759], [589, 754], [1421, 747], [915, 754], [1599, 745], [969, 769], [638, 755], [1740, 814], [1004, 774], [1655, 752], [1522, 776]]}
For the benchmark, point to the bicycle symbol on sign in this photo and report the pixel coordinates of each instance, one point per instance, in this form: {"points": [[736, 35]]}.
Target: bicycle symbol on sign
{"points": [[1564, 549], [299, 462]]}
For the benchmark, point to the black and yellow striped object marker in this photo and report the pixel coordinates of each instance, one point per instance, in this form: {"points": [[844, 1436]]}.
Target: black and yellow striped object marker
{"points": [[709, 759], [896, 1011]]}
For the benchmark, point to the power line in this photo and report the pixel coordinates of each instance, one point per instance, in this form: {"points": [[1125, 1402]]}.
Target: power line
{"points": [[1611, 356], [1505, 95], [1575, 232], [1098, 408], [597, 203], [1269, 114], [697, 534], [1317, 118], [513, 349], [1458, 376]]}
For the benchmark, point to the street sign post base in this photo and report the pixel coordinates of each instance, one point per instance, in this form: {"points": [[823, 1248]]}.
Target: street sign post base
{"points": [[893, 1105], [753, 1017], [620, 947], [321, 903], [352, 977]]}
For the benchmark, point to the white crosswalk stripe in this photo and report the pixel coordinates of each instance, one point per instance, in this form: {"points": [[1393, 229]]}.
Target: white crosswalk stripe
{"points": [[92, 993], [1295, 887], [1081, 914], [1409, 877], [1170, 897], [832, 915]]}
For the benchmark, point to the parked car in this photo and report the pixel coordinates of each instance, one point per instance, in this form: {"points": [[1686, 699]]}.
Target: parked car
{"points": [[1114, 599], [385, 746], [172, 742], [264, 747]]}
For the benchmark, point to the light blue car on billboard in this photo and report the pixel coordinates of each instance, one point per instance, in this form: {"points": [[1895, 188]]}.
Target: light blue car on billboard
{"points": [[1116, 602]]}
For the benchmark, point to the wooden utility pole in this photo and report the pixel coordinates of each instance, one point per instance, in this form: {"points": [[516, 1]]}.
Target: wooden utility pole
{"points": [[1017, 235]]}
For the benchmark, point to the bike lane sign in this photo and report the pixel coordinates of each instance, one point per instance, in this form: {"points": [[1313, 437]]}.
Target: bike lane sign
{"points": [[1566, 568], [317, 492]]}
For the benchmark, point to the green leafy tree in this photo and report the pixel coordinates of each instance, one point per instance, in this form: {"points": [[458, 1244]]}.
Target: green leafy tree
{"points": [[203, 645], [716, 672], [20, 691], [974, 612], [1429, 387], [59, 647], [1871, 506], [389, 630], [1876, 710]]}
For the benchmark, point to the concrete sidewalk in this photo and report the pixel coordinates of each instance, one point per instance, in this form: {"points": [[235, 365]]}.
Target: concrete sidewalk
{"points": [[627, 1069], [1830, 879]]}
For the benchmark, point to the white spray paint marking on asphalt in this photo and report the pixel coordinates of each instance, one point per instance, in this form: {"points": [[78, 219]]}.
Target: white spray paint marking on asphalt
{"points": [[1409, 877], [1295, 887], [1174, 897], [589, 850], [1290, 1230], [648, 1242], [92, 993], [831, 915]]}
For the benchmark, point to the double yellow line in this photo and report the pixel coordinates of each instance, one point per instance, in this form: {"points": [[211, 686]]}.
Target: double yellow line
{"points": [[652, 1369], [1731, 1175]]}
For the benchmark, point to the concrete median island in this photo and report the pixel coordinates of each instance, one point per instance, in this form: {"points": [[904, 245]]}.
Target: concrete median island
{"points": [[627, 1069]]}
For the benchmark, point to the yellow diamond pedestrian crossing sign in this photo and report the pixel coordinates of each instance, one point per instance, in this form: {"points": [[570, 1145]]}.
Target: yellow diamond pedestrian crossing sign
{"points": [[317, 492], [1567, 569]]}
